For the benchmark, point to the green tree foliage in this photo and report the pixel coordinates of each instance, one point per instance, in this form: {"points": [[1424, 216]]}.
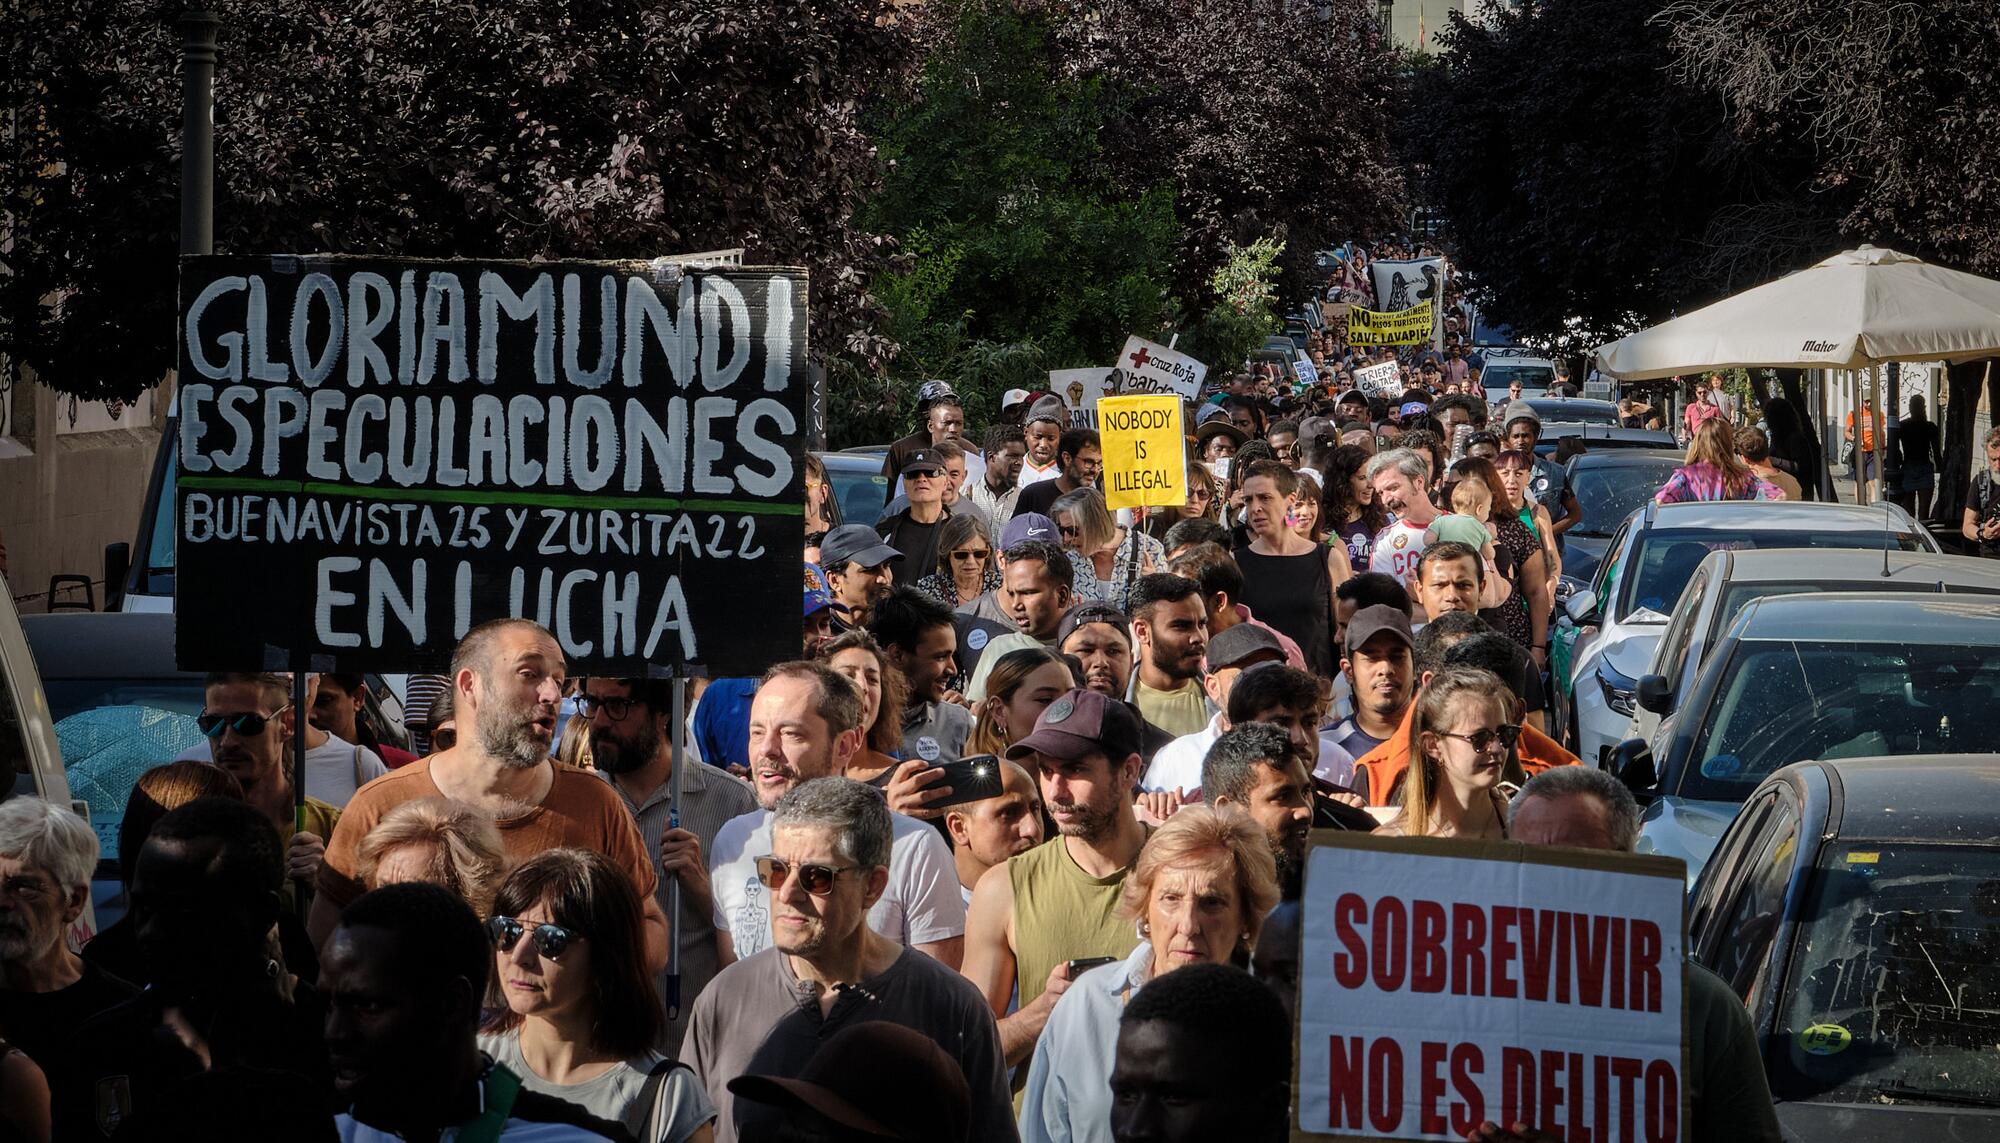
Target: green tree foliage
{"points": [[559, 128], [1588, 191]]}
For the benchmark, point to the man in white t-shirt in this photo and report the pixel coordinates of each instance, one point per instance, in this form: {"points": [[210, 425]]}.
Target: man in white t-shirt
{"points": [[1047, 420], [805, 723], [335, 767], [1401, 478]]}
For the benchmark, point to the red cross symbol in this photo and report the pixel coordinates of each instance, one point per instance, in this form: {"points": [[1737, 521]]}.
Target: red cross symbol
{"points": [[1140, 358]]}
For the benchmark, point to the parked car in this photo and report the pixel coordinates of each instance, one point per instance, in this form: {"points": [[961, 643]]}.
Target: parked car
{"points": [[858, 484], [1727, 581], [1851, 906], [1604, 438], [1572, 410], [1510, 363], [118, 706], [1609, 485], [1650, 558], [1821, 676]]}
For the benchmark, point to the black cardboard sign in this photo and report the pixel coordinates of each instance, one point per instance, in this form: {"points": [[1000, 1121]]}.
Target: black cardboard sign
{"points": [[378, 454]]}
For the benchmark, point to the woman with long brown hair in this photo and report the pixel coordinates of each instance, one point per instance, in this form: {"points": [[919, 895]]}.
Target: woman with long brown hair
{"points": [[884, 690], [1022, 684], [1462, 737], [1348, 504], [1714, 471], [580, 1015], [1524, 615]]}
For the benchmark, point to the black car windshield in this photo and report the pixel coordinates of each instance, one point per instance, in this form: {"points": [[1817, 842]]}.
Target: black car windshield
{"points": [[1575, 412], [1609, 492], [1784, 701], [1531, 377], [1894, 979], [860, 491], [1664, 559], [113, 730]]}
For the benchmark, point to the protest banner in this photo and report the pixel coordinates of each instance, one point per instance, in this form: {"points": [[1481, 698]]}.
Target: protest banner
{"points": [[378, 454], [1145, 453], [1149, 367], [1081, 389], [1405, 327], [1308, 373], [1402, 283], [1383, 379], [1443, 983]]}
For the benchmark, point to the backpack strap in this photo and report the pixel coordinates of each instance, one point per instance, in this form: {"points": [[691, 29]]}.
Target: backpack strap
{"points": [[654, 1095]]}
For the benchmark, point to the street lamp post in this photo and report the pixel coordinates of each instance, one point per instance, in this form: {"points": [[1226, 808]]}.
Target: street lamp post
{"points": [[198, 37]]}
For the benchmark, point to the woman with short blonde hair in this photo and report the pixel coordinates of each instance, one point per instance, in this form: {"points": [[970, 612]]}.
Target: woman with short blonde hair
{"points": [[440, 841], [1199, 894]]}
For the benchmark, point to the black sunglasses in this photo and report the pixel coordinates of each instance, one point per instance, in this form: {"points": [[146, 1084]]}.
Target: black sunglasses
{"points": [[550, 940], [1483, 740], [615, 708], [213, 725], [816, 879]]}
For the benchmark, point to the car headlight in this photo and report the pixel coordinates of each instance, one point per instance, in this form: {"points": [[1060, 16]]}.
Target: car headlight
{"points": [[1619, 691]]}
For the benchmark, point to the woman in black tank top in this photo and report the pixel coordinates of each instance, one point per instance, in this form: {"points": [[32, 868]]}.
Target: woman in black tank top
{"points": [[1288, 580]]}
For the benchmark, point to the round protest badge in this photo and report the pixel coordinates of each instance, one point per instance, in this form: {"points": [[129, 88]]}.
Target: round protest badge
{"points": [[927, 748], [1824, 1040], [1058, 710], [976, 638]]}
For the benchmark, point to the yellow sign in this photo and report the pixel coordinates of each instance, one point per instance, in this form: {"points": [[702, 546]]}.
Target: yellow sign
{"points": [[1145, 453], [1404, 327]]}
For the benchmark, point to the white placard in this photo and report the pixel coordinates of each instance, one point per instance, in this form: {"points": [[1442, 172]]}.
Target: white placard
{"points": [[1446, 983], [1384, 379], [1150, 367]]}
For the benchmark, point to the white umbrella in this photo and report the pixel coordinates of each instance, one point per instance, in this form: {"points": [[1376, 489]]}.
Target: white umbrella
{"points": [[1854, 310]]}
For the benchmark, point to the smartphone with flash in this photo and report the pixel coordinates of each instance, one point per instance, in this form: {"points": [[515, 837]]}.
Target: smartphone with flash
{"points": [[973, 779], [1081, 965]]}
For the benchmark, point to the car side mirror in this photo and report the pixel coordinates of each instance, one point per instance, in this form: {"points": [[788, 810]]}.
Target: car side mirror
{"points": [[1631, 762], [117, 565], [1654, 694], [1582, 608]]}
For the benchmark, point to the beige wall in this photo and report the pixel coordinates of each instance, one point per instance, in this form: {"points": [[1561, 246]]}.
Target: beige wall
{"points": [[68, 486]]}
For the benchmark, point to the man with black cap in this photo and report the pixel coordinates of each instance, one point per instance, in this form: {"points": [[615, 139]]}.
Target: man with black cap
{"points": [[1352, 406], [944, 418], [1550, 485], [1082, 456], [1059, 901], [914, 530], [1176, 768], [857, 562], [1048, 419], [1379, 666], [1098, 635]]}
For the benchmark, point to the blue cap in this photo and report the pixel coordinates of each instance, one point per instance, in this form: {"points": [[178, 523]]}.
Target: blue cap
{"points": [[1412, 408], [1027, 526], [819, 594]]}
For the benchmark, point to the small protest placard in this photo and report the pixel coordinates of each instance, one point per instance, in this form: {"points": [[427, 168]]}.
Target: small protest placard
{"points": [[1384, 379], [1145, 454], [1446, 983], [1307, 371], [1400, 327], [1150, 367], [1081, 389], [377, 454]]}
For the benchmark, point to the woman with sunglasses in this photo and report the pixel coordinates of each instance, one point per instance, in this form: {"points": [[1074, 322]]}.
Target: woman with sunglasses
{"points": [[965, 568], [581, 1014], [1022, 685], [884, 690], [1105, 548], [1204, 502], [1462, 737]]}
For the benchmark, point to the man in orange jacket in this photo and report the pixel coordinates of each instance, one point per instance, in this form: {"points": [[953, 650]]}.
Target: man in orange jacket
{"points": [[1378, 774]]}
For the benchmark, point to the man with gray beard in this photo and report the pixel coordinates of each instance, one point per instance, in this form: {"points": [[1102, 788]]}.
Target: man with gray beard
{"points": [[46, 857], [507, 680]]}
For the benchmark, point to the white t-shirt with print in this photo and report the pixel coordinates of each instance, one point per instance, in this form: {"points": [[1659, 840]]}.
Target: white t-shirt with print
{"points": [[922, 903], [1397, 548]]}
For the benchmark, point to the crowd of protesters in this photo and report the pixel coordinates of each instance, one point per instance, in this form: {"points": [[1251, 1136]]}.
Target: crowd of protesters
{"points": [[1345, 627]]}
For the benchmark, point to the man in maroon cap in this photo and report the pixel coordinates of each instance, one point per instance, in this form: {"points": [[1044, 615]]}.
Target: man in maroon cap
{"points": [[1058, 902]]}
